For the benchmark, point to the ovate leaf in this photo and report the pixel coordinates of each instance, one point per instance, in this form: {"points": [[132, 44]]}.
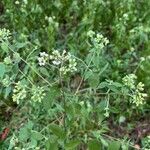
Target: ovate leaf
{"points": [[52, 143], [51, 95], [71, 145], [57, 130], [36, 135], [94, 80], [94, 145], [24, 134], [114, 145]]}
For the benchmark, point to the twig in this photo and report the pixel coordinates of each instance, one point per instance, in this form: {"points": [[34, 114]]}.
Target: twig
{"points": [[28, 65]]}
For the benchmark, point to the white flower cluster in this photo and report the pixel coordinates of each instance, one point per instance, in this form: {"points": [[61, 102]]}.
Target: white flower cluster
{"points": [[7, 81], [124, 18], [4, 34], [37, 94], [19, 92], [139, 96], [43, 58], [25, 2], [51, 20], [7, 60], [65, 61], [129, 80], [136, 90], [17, 2], [98, 40]]}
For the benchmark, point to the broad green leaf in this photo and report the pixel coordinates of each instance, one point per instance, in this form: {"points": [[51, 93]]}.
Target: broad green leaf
{"points": [[29, 125], [117, 84], [4, 47], [57, 130], [7, 91], [24, 134], [33, 143], [21, 45], [71, 145], [102, 105], [51, 95], [103, 85], [36, 135], [70, 110], [94, 145], [87, 74], [96, 61], [52, 143], [44, 71], [94, 80], [114, 145]]}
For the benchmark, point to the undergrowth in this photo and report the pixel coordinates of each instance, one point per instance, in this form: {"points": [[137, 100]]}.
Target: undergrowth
{"points": [[74, 75]]}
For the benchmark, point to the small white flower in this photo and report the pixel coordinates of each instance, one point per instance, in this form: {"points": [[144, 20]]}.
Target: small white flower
{"points": [[4, 34], [132, 49], [17, 2], [90, 33], [56, 62], [42, 61], [142, 59], [125, 15], [25, 2], [64, 52], [43, 54], [51, 57]]}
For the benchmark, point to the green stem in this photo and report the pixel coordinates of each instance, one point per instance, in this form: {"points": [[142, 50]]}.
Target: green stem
{"points": [[64, 104]]}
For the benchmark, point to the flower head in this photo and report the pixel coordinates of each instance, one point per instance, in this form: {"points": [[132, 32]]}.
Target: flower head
{"points": [[4, 34], [19, 92], [37, 93], [43, 58]]}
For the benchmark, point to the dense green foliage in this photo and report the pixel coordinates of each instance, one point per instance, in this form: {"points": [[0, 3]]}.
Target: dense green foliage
{"points": [[74, 74]]}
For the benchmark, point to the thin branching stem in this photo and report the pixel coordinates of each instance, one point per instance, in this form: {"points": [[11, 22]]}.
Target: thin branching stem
{"points": [[64, 104]]}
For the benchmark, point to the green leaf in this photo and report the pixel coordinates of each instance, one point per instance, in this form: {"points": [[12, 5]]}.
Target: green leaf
{"points": [[24, 134], [103, 85], [102, 105], [21, 45], [94, 145], [58, 131], [29, 125], [2, 70], [33, 143], [7, 92], [114, 145], [52, 143], [70, 110], [103, 141], [88, 74], [36, 135], [52, 146], [51, 95], [44, 71], [94, 80], [4, 47], [125, 146], [71, 145]]}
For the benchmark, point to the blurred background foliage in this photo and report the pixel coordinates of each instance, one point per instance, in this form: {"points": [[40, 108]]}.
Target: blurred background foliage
{"points": [[44, 25]]}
